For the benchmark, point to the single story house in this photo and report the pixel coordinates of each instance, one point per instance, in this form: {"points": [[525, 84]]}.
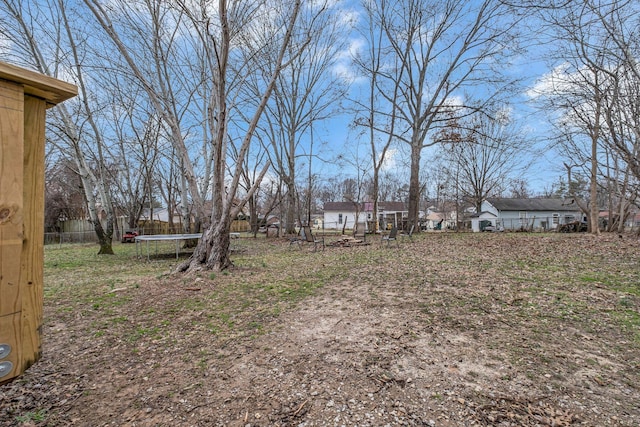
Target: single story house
{"points": [[526, 214], [343, 214], [438, 221]]}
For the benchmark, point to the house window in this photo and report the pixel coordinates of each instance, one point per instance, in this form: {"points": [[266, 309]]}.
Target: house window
{"points": [[339, 218], [556, 219]]}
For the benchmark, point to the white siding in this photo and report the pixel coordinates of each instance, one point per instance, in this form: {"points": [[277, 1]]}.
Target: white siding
{"points": [[332, 219], [513, 220]]}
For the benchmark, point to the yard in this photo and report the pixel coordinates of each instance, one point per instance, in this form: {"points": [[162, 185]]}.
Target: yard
{"points": [[508, 329]]}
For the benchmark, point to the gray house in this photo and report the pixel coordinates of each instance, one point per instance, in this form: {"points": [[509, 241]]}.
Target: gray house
{"points": [[525, 214]]}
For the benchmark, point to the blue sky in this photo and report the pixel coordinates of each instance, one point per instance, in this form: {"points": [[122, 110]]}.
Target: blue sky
{"points": [[338, 138], [530, 66]]}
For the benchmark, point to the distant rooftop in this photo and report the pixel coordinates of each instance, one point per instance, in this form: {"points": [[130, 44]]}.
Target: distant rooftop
{"points": [[532, 205], [364, 207]]}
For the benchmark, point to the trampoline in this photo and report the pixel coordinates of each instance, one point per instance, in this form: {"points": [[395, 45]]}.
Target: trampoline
{"points": [[168, 237], [163, 237]]}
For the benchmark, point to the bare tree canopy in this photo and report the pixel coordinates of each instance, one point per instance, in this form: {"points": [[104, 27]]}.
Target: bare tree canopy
{"points": [[481, 154], [190, 105], [593, 94], [435, 51]]}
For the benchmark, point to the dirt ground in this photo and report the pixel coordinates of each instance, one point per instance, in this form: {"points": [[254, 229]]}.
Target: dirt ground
{"points": [[436, 333]]}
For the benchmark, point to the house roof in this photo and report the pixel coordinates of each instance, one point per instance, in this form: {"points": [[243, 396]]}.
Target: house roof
{"points": [[436, 216], [392, 206], [341, 206], [350, 206], [532, 205]]}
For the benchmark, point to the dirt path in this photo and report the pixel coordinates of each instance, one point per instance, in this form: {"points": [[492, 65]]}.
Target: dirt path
{"points": [[436, 353]]}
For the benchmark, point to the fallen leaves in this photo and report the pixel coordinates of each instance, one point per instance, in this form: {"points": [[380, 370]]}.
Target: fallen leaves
{"points": [[453, 329], [510, 411]]}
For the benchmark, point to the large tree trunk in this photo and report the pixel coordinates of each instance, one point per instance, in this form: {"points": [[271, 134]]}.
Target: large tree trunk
{"points": [[184, 208], [214, 253], [104, 237], [376, 190], [414, 185], [290, 213]]}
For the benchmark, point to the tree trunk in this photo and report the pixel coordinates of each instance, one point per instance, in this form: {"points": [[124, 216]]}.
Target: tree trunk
{"points": [[414, 185], [104, 238], [594, 210], [253, 218], [184, 209], [478, 205], [131, 222], [214, 253], [376, 190], [290, 222]]}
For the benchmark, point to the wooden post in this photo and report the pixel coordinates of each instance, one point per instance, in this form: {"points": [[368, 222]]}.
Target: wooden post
{"points": [[24, 97]]}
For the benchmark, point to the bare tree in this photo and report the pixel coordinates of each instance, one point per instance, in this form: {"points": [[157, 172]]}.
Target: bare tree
{"points": [[355, 188], [63, 198], [622, 102], [147, 36], [220, 37], [306, 92], [167, 178], [519, 188], [369, 107], [586, 88], [231, 24], [251, 171], [484, 153], [436, 50], [136, 130], [48, 43]]}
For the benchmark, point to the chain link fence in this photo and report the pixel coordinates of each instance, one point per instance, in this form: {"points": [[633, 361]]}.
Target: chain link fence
{"points": [[70, 237]]}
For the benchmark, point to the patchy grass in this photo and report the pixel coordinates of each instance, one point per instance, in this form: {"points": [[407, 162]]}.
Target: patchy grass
{"points": [[531, 277], [467, 316]]}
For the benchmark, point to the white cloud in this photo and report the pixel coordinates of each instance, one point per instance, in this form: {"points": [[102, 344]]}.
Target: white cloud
{"points": [[354, 47], [454, 101], [390, 160], [348, 18], [505, 114], [344, 68], [555, 81]]}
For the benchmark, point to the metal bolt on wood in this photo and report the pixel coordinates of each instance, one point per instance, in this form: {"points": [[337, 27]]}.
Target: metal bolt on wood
{"points": [[5, 350], [5, 368]]}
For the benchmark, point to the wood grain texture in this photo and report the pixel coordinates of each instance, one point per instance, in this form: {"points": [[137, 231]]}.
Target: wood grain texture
{"points": [[31, 268], [24, 98], [11, 219], [51, 90]]}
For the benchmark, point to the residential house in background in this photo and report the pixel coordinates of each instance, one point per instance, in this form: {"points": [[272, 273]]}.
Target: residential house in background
{"points": [[439, 221], [342, 214], [338, 215], [525, 214]]}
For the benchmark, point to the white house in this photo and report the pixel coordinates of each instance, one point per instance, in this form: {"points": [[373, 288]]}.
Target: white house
{"points": [[343, 214], [525, 214]]}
